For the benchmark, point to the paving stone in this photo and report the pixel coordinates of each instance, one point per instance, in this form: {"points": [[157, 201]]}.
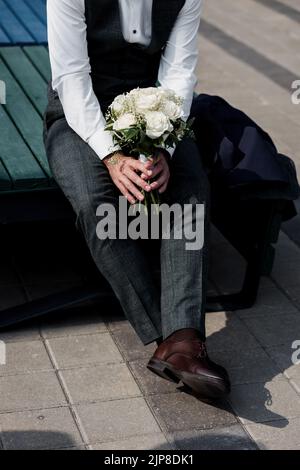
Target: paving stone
{"points": [[258, 32], [292, 226], [270, 301], [254, 71], [117, 420], [184, 412], [149, 382], [276, 435], [282, 355], [286, 270], [225, 332], [102, 382], [282, 133], [244, 77], [155, 441], [43, 429], [272, 401], [83, 320], [25, 356], [130, 344], [84, 349], [293, 292], [30, 391], [226, 438], [272, 330], [246, 365]]}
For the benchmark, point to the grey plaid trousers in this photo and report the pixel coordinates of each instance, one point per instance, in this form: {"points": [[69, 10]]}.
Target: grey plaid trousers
{"points": [[153, 309]]}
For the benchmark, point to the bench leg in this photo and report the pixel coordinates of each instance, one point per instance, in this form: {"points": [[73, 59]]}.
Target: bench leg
{"points": [[238, 300]]}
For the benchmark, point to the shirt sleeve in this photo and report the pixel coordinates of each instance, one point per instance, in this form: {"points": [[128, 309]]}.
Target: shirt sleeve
{"points": [[177, 69], [71, 78]]}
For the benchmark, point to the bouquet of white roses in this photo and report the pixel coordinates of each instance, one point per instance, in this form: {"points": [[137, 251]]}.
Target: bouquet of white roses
{"points": [[145, 120]]}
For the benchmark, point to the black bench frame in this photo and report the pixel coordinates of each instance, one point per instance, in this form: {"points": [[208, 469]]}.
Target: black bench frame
{"points": [[252, 227]]}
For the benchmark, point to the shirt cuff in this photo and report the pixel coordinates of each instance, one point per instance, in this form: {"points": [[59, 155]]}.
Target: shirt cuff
{"points": [[102, 143]]}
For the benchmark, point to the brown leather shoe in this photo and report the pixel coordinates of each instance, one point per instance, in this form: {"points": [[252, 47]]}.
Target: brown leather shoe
{"points": [[187, 361]]}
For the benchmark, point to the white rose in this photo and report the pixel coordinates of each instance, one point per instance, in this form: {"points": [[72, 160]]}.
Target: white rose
{"points": [[172, 110], [164, 92], [124, 121], [118, 105], [150, 90], [157, 124], [147, 99]]}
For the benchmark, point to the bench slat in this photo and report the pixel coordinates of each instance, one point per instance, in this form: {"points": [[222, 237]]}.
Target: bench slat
{"points": [[39, 7], [40, 58], [23, 169], [25, 117], [5, 181], [29, 19], [4, 39], [33, 85], [13, 27]]}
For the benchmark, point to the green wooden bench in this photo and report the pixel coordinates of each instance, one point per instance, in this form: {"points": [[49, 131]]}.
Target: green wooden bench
{"points": [[27, 189], [23, 22], [23, 161], [28, 192]]}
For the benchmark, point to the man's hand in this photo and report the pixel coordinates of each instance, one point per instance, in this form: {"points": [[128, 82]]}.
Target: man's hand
{"points": [[160, 171], [129, 174], [124, 171]]}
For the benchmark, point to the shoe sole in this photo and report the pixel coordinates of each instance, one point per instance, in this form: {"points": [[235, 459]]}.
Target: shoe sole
{"points": [[205, 387]]}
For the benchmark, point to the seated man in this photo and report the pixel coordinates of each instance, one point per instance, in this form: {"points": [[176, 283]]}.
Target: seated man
{"points": [[98, 50]]}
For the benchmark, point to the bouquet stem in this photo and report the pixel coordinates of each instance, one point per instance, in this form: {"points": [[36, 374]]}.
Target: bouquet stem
{"points": [[151, 198]]}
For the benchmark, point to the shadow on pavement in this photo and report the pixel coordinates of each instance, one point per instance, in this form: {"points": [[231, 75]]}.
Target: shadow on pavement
{"points": [[34, 440]]}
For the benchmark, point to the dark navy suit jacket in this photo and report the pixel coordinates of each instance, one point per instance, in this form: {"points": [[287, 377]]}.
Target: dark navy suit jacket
{"points": [[239, 155]]}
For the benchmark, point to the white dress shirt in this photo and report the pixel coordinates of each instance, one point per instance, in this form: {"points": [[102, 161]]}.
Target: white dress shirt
{"points": [[71, 67]]}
